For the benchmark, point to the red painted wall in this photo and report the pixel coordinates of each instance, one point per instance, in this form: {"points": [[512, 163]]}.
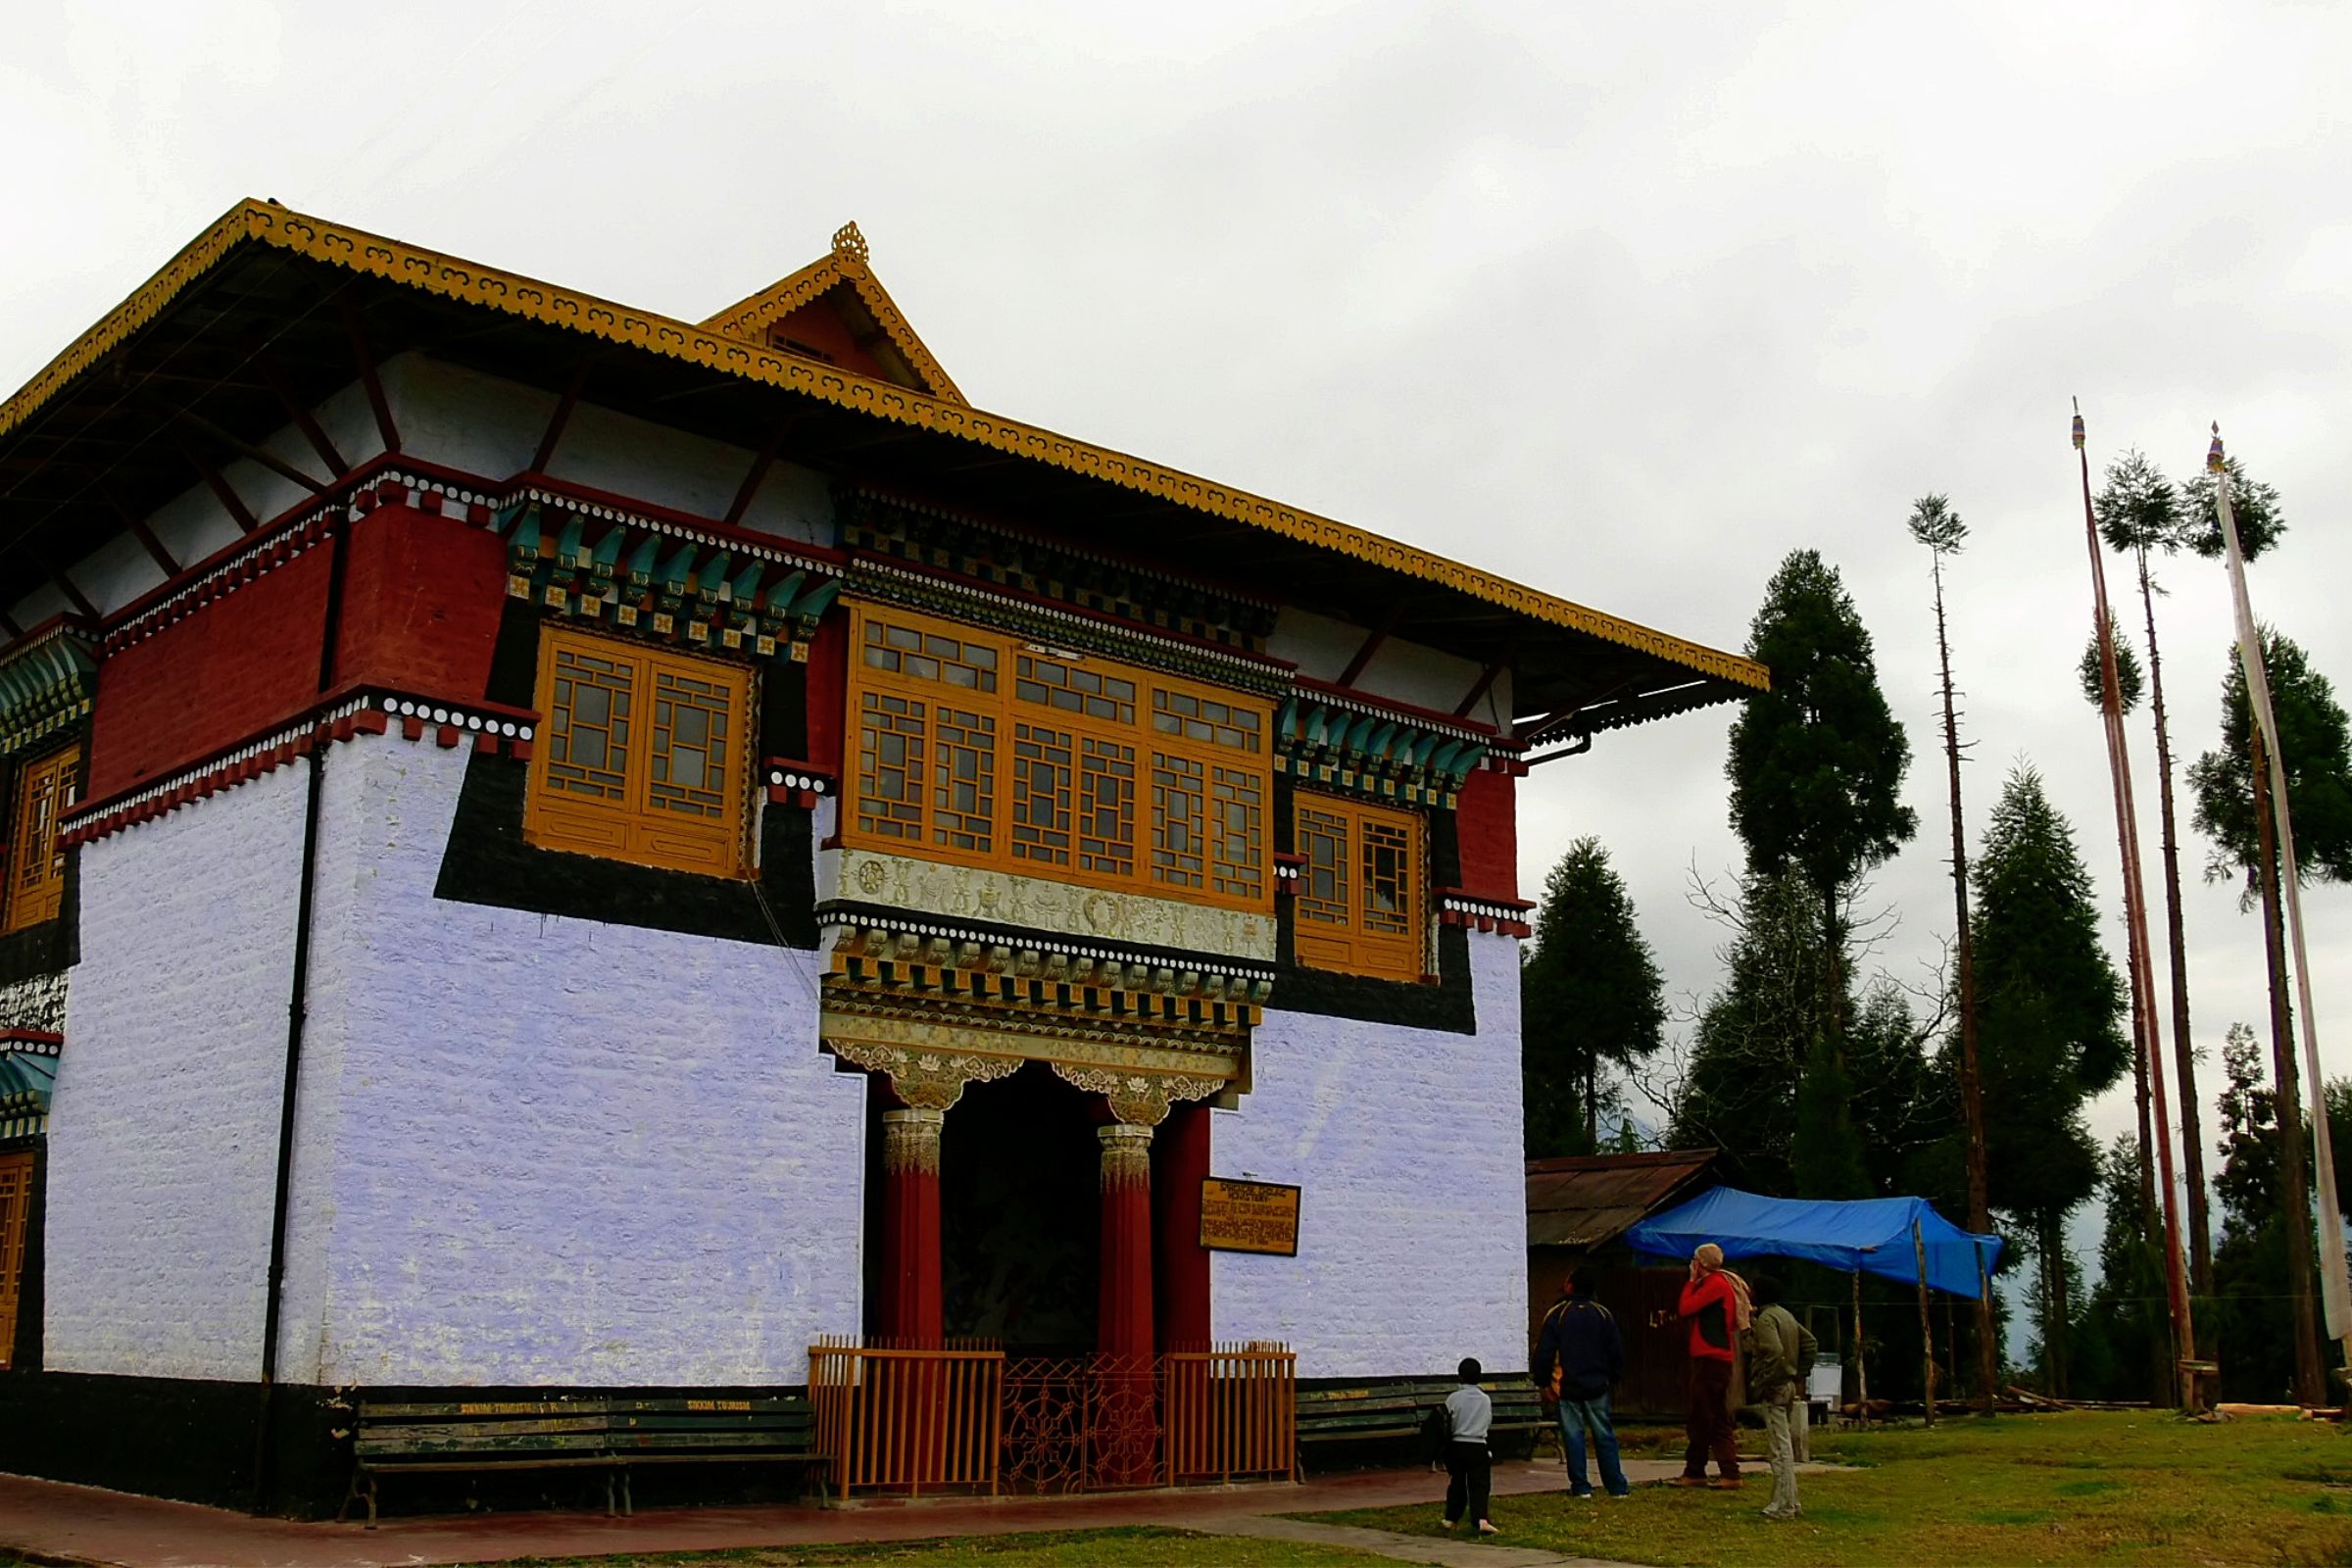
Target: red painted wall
{"points": [[421, 598], [820, 328], [828, 693], [237, 665], [1485, 818], [1180, 1162]]}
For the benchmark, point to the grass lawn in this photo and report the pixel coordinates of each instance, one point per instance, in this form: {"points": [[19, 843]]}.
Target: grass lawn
{"points": [[1133, 1547], [2074, 1488]]}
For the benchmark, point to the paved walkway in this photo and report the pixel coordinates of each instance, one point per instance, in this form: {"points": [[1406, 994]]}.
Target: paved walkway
{"points": [[84, 1524]]}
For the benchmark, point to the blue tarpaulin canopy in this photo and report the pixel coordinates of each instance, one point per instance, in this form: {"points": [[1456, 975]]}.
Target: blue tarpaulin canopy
{"points": [[1870, 1233]]}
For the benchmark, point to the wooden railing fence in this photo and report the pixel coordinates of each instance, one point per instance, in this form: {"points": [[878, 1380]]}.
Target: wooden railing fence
{"points": [[1230, 1412], [893, 1419], [911, 1419]]}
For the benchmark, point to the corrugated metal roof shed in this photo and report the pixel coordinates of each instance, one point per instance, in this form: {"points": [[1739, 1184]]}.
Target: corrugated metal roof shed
{"points": [[1589, 1201]]}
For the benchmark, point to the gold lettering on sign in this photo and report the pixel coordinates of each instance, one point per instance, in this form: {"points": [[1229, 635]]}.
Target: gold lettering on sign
{"points": [[1249, 1217]]}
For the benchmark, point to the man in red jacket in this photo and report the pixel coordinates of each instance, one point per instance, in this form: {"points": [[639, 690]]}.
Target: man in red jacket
{"points": [[1711, 1305]]}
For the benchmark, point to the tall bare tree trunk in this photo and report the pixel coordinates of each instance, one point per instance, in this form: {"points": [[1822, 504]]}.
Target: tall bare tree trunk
{"points": [[2184, 1057], [2060, 1312], [2293, 1175], [1972, 1088]]}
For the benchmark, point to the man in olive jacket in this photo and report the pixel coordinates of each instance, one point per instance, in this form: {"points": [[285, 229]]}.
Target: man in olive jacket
{"points": [[1779, 1354]]}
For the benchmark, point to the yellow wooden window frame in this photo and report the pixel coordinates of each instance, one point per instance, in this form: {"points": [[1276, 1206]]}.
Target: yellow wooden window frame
{"points": [[16, 1212], [1362, 906], [986, 748], [35, 866], [655, 708]]}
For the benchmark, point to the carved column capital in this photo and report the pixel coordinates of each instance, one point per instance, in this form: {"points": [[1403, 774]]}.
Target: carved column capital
{"points": [[1126, 1155], [910, 1138]]}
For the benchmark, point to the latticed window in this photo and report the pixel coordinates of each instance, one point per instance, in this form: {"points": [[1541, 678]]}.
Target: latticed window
{"points": [[1361, 906], [35, 866], [642, 756], [16, 1211], [1083, 768]]}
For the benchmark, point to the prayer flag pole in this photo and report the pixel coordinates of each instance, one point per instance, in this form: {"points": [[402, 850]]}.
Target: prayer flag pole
{"points": [[2143, 975], [2335, 1286]]}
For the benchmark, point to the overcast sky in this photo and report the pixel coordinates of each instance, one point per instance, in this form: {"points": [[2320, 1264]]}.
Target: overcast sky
{"points": [[1624, 301]]}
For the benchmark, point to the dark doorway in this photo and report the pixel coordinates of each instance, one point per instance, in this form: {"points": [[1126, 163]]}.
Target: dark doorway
{"points": [[1020, 1214]]}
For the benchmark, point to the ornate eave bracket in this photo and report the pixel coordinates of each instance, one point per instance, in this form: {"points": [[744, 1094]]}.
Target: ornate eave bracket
{"points": [[1136, 1098], [1388, 758], [46, 683], [927, 1080], [637, 575]]}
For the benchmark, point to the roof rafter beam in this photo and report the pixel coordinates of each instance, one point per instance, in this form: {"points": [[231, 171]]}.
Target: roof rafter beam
{"points": [[1484, 685], [219, 487], [8, 624], [1372, 641], [251, 453], [762, 461], [137, 526], [273, 373], [64, 586], [362, 356], [556, 421]]}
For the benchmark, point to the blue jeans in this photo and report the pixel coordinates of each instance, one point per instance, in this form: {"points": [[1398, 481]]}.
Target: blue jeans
{"points": [[1577, 1417]]}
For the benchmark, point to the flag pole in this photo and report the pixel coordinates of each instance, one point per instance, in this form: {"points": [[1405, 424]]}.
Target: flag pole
{"points": [[2135, 929], [2335, 1286]]}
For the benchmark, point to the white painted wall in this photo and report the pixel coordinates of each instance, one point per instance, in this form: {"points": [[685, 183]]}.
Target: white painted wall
{"points": [[539, 1150], [1401, 670], [163, 1133], [1413, 1217]]}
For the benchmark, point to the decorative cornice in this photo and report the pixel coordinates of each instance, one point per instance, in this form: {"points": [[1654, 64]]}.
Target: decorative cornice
{"points": [[1041, 959], [490, 728], [791, 782], [47, 678], [427, 271], [1470, 909], [1374, 752], [749, 318], [873, 1031]]}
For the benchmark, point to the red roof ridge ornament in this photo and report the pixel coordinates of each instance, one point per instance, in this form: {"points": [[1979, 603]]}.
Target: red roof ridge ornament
{"points": [[847, 241]]}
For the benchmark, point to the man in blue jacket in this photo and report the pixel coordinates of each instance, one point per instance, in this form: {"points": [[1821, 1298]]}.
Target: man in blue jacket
{"points": [[1578, 1359]]}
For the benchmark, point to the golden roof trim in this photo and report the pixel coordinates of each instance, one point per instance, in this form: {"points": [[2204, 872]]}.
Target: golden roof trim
{"points": [[370, 255], [748, 318]]}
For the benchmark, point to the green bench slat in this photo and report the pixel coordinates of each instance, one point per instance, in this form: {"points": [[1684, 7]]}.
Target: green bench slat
{"points": [[480, 1410], [636, 1441], [372, 1448], [489, 1429], [778, 1421]]}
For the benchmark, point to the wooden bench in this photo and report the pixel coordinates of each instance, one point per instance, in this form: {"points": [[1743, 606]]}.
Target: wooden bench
{"points": [[1371, 1412], [616, 1435]]}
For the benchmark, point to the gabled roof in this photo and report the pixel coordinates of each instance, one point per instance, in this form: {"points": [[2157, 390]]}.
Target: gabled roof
{"points": [[843, 285], [269, 309], [1589, 1201]]}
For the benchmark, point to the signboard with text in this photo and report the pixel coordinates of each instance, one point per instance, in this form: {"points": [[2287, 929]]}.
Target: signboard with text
{"points": [[1249, 1217]]}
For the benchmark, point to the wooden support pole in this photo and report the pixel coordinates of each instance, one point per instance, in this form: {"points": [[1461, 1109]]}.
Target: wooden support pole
{"points": [[1861, 1371], [1927, 1326], [364, 357], [65, 586], [762, 461], [1484, 685]]}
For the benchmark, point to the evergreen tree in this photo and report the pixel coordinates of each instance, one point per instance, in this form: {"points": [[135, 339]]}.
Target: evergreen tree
{"points": [[1590, 993], [2253, 1307], [1738, 1092], [2128, 1316], [2129, 679], [2316, 741], [2233, 808], [2050, 1003], [2253, 507], [1817, 767]]}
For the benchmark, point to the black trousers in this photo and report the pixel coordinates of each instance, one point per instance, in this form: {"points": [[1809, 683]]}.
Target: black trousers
{"points": [[1470, 1477]]}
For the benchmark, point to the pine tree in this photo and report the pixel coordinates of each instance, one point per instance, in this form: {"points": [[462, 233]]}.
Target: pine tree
{"points": [[1817, 767], [2252, 1285], [2050, 1005], [2128, 1314], [1738, 1092], [1590, 993]]}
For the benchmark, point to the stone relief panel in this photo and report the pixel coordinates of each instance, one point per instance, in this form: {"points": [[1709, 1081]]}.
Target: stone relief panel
{"points": [[959, 891]]}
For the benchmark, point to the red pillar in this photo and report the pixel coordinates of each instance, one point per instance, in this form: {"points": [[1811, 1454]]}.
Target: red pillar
{"points": [[911, 1311], [1180, 1263], [1123, 1325]]}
